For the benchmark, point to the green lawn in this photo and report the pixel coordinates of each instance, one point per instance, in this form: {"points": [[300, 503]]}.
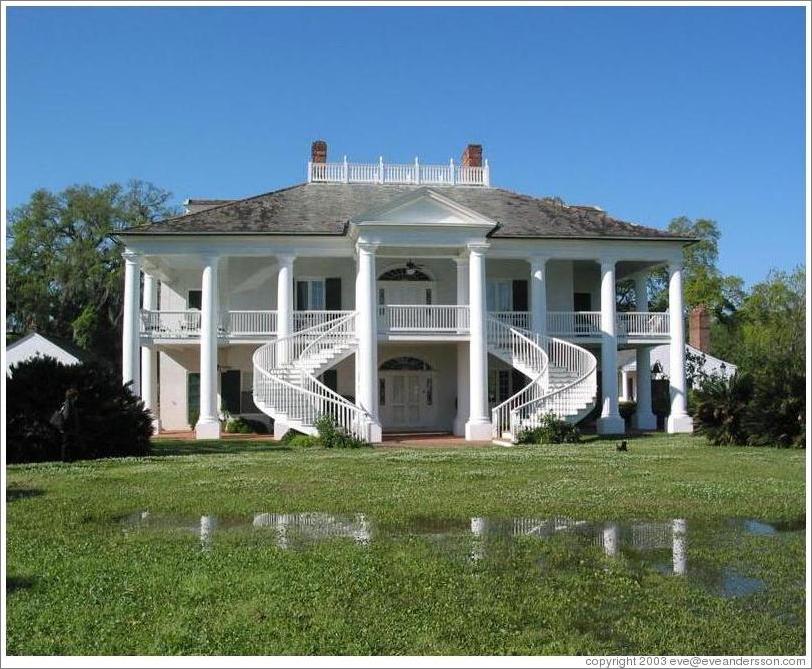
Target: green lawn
{"points": [[83, 581]]}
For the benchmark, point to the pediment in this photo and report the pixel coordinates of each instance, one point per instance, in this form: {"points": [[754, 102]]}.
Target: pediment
{"points": [[423, 207]]}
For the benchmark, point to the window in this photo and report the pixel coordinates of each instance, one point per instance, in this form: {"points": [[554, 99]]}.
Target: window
{"points": [[405, 363], [310, 295], [194, 300], [230, 390], [382, 392], [499, 295], [192, 397], [402, 274], [582, 302]]}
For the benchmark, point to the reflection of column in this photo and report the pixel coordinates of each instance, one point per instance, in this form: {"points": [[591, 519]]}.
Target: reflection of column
{"points": [[611, 542], [362, 534], [207, 524], [679, 528], [282, 531], [478, 528]]}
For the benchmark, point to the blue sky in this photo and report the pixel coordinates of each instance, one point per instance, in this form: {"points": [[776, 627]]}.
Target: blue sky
{"points": [[650, 113]]}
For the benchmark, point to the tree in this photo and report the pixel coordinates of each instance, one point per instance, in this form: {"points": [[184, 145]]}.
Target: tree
{"points": [[64, 270]]}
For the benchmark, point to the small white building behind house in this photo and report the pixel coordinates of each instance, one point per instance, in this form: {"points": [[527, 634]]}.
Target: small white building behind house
{"points": [[660, 356], [36, 345]]}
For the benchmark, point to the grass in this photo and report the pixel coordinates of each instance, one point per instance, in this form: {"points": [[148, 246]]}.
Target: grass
{"points": [[78, 584]]}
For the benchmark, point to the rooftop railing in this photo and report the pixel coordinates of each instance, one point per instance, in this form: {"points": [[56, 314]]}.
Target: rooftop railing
{"points": [[399, 173]]}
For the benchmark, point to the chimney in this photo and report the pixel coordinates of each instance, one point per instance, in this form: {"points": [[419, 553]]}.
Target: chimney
{"points": [[318, 151], [699, 329], [472, 156]]}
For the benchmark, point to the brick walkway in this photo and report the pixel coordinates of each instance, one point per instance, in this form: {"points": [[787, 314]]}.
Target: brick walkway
{"points": [[399, 440]]}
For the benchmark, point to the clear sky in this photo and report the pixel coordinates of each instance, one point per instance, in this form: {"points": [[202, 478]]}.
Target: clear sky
{"points": [[650, 113]]}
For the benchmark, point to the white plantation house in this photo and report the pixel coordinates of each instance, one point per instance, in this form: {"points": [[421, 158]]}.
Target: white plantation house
{"points": [[394, 297]]}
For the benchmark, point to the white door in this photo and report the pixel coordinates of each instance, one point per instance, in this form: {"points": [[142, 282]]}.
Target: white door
{"points": [[407, 399]]}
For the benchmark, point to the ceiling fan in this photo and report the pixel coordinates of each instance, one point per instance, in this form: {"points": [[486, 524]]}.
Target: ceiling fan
{"points": [[412, 267]]}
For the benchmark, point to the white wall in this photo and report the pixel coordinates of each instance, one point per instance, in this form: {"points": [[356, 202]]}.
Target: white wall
{"points": [[35, 345]]}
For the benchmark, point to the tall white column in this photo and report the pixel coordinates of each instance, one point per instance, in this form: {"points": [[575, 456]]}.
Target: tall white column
{"points": [[538, 294], [208, 423], [610, 421], [366, 358], [131, 321], [679, 420], [641, 292], [478, 427], [463, 407], [149, 358], [644, 418], [284, 304]]}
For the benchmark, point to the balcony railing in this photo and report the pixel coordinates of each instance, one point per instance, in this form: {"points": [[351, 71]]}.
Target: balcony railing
{"points": [[426, 318], [403, 318], [399, 173]]}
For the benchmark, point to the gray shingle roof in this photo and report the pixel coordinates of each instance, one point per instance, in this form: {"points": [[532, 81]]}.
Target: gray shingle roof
{"points": [[326, 209]]}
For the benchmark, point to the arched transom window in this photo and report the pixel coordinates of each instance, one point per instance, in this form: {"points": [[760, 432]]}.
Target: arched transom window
{"points": [[404, 274], [405, 363]]}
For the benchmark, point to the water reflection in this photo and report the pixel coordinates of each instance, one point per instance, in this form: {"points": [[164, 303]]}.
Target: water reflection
{"points": [[486, 538]]}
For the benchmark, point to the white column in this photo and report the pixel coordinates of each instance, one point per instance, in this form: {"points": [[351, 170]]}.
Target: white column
{"points": [[538, 294], [131, 321], [478, 427], [610, 421], [284, 304], [611, 540], [366, 358], [679, 556], [208, 424], [463, 409], [679, 420], [623, 390], [149, 358], [641, 292], [644, 418]]}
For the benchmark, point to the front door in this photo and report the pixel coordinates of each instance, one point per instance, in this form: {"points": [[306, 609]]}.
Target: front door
{"points": [[405, 292], [407, 399]]}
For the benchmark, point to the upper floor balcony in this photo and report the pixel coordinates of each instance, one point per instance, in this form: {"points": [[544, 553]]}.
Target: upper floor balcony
{"points": [[414, 174], [421, 321]]}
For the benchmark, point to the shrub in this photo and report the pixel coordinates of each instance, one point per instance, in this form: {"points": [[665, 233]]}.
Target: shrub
{"points": [[300, 440], [331, 436], [776, 414], [720, 408], [626, 410], [290, 435], [105, 419], [240, 425], [551, 431]]}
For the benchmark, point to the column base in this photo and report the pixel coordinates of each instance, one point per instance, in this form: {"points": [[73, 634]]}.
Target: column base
{"points": [[156, 426], [280, 428], [375, 433], [478, 431], [207, 428], [644, 421], [611, 425], [680, 424]]}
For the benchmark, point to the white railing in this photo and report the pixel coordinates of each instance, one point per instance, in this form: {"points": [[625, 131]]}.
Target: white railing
{"points": [[303, 320], [565, 401], [249, 322], [525, 351], [170, 324], [399, 173], [643, 324], [516, 319], [574, 323], [424, 318], [285, 384]]}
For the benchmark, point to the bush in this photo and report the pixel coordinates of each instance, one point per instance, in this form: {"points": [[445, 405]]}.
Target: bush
{"points": [[331, 436], [756, 410], [300, 440], [551, 431], [720, 408], [104, 419], [626, 410], [240, 425]]}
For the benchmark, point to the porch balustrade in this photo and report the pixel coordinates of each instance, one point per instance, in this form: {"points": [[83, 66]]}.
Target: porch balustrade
{"points": [[402, 318]]}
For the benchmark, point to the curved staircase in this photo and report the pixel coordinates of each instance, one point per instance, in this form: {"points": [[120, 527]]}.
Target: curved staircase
{"points": [[286, 388]]}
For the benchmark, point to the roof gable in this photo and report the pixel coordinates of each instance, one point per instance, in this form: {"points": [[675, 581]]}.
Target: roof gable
{"points": [[423, 207]]}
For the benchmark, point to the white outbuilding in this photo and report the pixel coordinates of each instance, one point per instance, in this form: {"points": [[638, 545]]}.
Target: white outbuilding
{"points": [[35, 345]]}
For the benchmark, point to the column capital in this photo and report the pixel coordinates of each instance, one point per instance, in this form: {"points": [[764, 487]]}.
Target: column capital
{"points": [[210, 258], [131, 257], [285, 259], [608, 264], [538, 260], [674, 266], [367, 247], [478, 248], [462, 260]]}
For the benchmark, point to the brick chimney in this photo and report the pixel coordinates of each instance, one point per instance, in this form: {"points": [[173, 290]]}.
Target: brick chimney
{"points": [[318, 151], [699, 329], [472, 156]]}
